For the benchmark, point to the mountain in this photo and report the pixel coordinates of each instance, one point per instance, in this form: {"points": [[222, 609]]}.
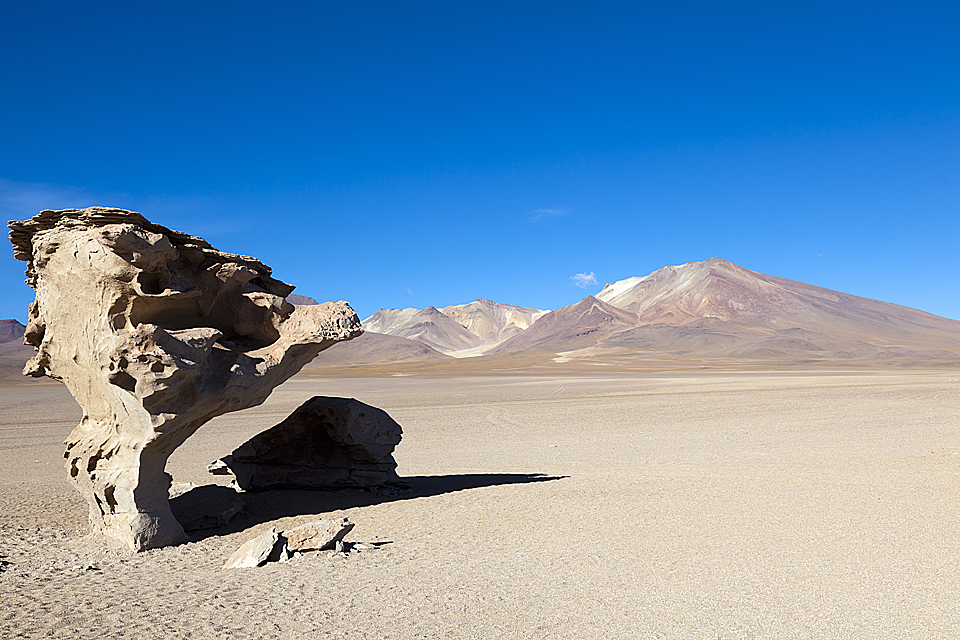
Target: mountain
{"points": [[722, 291], [11, 330], [375, 348], [708, 313], [577, 326], [389, 320], [13, 353], [458, 328], [429, 326], [300, 300], [493, 322]]}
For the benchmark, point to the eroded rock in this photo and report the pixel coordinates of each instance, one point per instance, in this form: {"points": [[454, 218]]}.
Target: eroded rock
{"points": [[309, 538], [327, 443], [254, 553], [154, 332], [317, 535]]}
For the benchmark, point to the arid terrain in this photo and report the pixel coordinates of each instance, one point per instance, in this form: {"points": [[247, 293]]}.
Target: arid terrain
{"points": [[621, 504]]}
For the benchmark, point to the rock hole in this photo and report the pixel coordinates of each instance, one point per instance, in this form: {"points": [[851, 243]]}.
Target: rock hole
{"points": [[123, 380], [151, 283], [111, 499]]}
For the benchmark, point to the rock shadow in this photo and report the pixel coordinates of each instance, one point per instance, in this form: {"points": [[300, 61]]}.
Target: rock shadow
{"points": [[265, 506]]}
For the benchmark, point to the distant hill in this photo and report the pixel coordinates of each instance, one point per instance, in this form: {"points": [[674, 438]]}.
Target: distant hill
{"points": [[493, 322], [429, 326], [13, 353], [300, 300], [579, 325], [717, 309], [376, 348], [720, 290], [11, 330], [458, 328]]}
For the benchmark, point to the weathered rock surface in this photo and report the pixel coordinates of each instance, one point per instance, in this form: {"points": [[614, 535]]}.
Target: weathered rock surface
{"points": [[271, 546], [206, 507], [254, 553], [154, 332], [317, 535], [327, 443]]}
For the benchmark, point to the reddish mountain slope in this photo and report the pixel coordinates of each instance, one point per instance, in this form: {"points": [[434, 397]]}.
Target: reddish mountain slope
{"points": [[720, 290], [580, 325]]}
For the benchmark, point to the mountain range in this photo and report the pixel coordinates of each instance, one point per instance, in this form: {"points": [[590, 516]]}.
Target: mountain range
{"points": [[709, 310]]}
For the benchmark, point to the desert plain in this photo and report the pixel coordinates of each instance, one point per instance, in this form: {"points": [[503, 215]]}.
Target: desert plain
{"points": [[687, 504]]}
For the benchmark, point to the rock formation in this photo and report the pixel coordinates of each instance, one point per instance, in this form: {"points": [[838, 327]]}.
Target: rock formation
{"points": [[154, 332], [274, 546], [327, 443]]}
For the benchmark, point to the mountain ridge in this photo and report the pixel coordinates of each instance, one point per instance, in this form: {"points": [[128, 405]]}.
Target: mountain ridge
{"points": [[711, 309]]}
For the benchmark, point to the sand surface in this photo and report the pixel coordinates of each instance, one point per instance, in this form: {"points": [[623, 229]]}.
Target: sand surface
{"points": [[779, 505]]}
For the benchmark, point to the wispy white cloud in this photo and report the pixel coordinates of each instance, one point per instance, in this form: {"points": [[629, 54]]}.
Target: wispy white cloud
{"points": [[410, 291], [584, 280], [539, 214]]}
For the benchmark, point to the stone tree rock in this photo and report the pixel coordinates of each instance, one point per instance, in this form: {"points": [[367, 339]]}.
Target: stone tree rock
{"points": [[154, 332], [327, 443]]}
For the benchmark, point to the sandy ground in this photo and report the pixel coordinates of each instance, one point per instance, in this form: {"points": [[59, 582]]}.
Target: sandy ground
{"points": [[782, 505]]}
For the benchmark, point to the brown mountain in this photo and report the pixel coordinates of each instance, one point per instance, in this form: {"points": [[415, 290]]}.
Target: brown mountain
{"points": [[743, 300], [13, 353], [376, 348], [429, 326], [577, 326], [718, 310], [11, 330]]}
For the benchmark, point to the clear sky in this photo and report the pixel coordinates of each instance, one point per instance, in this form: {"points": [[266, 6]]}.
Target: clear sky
{"points": [[398, 154]]}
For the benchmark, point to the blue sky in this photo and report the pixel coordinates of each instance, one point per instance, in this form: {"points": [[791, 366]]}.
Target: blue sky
{"points": [[428, 153]]}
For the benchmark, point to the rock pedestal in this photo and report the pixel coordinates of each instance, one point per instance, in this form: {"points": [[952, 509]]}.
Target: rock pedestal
{"points": [[154, 332]]}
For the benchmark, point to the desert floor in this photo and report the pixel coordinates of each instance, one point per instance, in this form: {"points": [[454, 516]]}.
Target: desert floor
{"points": [[714, 505]]}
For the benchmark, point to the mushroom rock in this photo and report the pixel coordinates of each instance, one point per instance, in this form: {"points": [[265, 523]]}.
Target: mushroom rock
{"points": [[327, 443], [154, 332]]}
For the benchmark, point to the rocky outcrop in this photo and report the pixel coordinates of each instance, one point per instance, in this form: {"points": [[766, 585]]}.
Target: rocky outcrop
{"points": [[327, 443], [154, 332]]}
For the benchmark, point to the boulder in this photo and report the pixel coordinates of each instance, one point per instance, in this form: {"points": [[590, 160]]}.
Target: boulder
{"points": [[317, 535], [254, 553], [327, 443], [154, 332]]}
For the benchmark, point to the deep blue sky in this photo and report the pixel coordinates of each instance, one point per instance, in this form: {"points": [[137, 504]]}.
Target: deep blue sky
{"points": [[399, 154]]}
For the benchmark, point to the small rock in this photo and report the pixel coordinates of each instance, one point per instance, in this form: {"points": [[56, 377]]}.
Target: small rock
{"points": [[254, 553], [318, 535]]}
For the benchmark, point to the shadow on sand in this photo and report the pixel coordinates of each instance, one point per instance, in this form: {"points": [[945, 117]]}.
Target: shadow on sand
{"points": [[264, 506]]}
